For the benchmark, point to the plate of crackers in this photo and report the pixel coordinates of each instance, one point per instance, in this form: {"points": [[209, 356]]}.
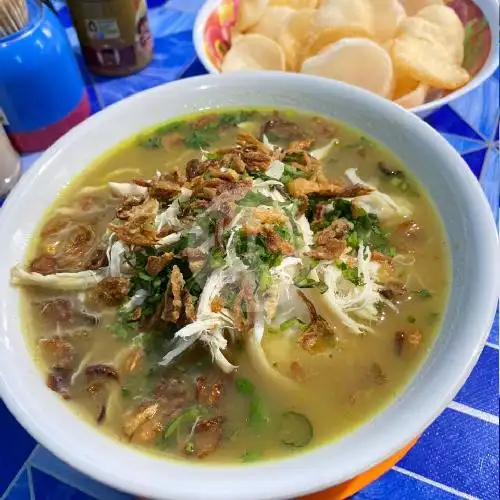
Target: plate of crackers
{"points": [[420, 54]]}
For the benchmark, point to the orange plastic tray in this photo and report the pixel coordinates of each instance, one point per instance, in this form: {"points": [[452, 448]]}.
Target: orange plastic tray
{"points": [[349, 488]]}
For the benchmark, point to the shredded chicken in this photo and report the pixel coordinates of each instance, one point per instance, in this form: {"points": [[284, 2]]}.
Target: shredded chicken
{"points": [[124, 189], [208, 326], [216, 258], [59, 281], [384, 206]]}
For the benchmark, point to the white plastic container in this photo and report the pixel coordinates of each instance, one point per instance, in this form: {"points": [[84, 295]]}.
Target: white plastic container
{"points": [[10, 164]]}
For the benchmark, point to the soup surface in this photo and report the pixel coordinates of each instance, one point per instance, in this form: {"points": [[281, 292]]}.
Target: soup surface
{"points": [[236, 286]]}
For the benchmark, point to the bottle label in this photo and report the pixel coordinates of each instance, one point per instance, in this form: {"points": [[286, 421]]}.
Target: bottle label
{"points": [[102, 29]]}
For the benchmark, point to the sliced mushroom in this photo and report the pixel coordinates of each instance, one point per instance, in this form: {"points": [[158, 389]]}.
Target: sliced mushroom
{"points": [[101, 371], [59, 380], [135, 417], [206, 437], [209, 389]]}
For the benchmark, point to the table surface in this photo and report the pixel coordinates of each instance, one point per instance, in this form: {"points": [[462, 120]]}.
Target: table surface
{"points": [[458, 455]]}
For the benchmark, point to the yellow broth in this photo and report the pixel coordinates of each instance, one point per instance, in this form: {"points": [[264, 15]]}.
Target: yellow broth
{"points": [[339, 390]]}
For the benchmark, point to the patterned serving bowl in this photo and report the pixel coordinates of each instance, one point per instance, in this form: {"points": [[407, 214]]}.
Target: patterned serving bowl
{"points": [[216, 20]]}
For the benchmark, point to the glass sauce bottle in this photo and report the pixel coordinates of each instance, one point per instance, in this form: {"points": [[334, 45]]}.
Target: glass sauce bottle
{"points": [[114, 35]]}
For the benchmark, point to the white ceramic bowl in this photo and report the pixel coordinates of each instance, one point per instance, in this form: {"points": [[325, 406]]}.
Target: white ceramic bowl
{"points": [[490, 9], [459, 200]]}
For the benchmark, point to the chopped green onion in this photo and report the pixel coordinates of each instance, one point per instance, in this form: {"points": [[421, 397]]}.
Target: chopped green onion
{"points": [[433, 318], [292, 323], [391, 252], [350, 273], [255, 199], [258, 415], [169, 127], [321, 286], [124, 328], [233, 119], [282, 231], [212, 156], [149, 142], [201, 138], [272, 330], [216, 258], [296, 429], [298, 239], [302, 279], [244, 386], [187, 416], [265, 279], [189, 448], [144, 276], [363, 142], [250, 456], [352, 240]]}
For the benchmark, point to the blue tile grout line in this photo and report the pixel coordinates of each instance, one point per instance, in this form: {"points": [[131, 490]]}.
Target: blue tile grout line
{"points": [[436, 484], [491, 141], [457, 456], [473, 412], [19, 473], [61, 479], [30, 482]]}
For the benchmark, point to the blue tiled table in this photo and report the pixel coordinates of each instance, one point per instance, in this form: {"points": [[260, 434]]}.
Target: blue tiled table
{"points": [[456, 457]]}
